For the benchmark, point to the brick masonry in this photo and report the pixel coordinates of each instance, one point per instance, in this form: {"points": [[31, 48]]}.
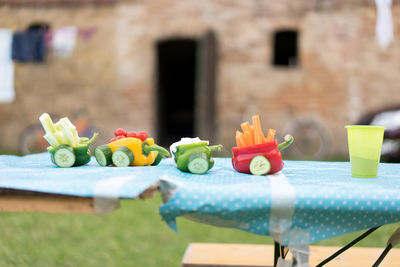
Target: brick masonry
{"points": [[342, 74]]}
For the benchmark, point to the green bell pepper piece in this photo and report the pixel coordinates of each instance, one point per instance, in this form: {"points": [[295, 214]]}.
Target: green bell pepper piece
{"points": [[195, 157]]}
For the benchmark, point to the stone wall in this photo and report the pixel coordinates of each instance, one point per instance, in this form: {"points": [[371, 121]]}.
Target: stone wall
{"points": [[342, 72], [63, 86]]}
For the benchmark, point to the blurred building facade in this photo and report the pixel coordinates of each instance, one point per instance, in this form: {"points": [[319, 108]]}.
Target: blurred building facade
{"points": [[200, 68]]}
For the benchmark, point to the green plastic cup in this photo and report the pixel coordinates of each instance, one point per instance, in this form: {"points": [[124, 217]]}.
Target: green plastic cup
{"points": [[365, 145]]}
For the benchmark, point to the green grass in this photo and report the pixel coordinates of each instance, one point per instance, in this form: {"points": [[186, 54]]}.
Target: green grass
{"points": [[134, 235]]}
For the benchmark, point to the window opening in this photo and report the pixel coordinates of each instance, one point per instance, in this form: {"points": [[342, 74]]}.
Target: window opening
{"points": [[286, 48]]}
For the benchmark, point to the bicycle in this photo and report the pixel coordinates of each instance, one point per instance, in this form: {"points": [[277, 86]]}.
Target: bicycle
{"points": [[313, 139]]}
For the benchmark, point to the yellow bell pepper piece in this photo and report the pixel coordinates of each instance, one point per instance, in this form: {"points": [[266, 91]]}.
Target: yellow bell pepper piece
{"points": [[135, 145]]}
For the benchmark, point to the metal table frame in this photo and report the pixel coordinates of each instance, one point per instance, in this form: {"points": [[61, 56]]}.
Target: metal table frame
{"points": [[282, 251]]}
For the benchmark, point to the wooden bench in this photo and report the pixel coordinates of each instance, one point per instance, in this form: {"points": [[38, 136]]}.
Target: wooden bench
{"points": [[246, 255]]}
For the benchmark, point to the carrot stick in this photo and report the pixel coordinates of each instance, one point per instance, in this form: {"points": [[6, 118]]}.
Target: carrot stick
{"points": [[258, 134], [252, 133], [240, 142], [244, 140], [270, 135], [249, 138], [248, 133], [245, 126]]}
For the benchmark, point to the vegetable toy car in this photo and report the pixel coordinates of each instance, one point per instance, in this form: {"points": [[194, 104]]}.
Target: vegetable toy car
{"points": [[66, 148], [193, 155], [256, 154], [260, 159], [130, 149]]}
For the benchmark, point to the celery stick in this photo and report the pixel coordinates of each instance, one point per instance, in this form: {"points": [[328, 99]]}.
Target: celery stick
{"points": [[66, 131], [57, 126], [73, 133], [68, 136], [66, 121], [47, 123], [51, 139], [61, 138]]}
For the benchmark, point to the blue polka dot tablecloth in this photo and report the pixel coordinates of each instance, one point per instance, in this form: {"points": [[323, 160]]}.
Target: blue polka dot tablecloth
{"points": [[37, 173], [304, 203]]}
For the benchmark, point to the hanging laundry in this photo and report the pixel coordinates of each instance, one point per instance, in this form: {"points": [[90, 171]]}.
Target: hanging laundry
{"points": [[384, 23], [42, 29], [63, 41], [28, 46], [7, 93], [87, 33]]}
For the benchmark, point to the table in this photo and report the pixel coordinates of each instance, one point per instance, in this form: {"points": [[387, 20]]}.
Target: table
{"points": [[33, 183], [306, 202]]}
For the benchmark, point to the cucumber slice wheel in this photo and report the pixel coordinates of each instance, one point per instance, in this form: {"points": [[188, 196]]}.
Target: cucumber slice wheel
{"points": [[122, 157], [198, 163], [211, 163], [64, 156], [51, 150], [103, 155], [259, 165]]}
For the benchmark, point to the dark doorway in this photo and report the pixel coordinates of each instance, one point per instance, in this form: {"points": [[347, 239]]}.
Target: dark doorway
{"points": [[176, 74], [285, 48]]}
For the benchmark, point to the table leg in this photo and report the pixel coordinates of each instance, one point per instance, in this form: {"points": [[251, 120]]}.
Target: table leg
{"points": [[277, 251], [382, 256], [352, 243], [284, 251]]}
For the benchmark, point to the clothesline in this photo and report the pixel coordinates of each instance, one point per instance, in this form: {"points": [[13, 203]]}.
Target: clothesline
{"points": [[34, 43]]}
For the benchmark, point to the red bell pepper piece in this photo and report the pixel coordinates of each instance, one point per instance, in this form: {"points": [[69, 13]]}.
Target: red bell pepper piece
{"points": [[243, 155]]}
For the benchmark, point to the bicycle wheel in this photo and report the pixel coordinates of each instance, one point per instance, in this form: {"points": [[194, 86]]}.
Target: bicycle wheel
{"points": [[31, 140]]}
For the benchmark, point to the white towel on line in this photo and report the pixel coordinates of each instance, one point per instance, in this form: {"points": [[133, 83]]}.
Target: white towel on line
{"points": [[384, 23], [7, 93], [64, 40]]}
